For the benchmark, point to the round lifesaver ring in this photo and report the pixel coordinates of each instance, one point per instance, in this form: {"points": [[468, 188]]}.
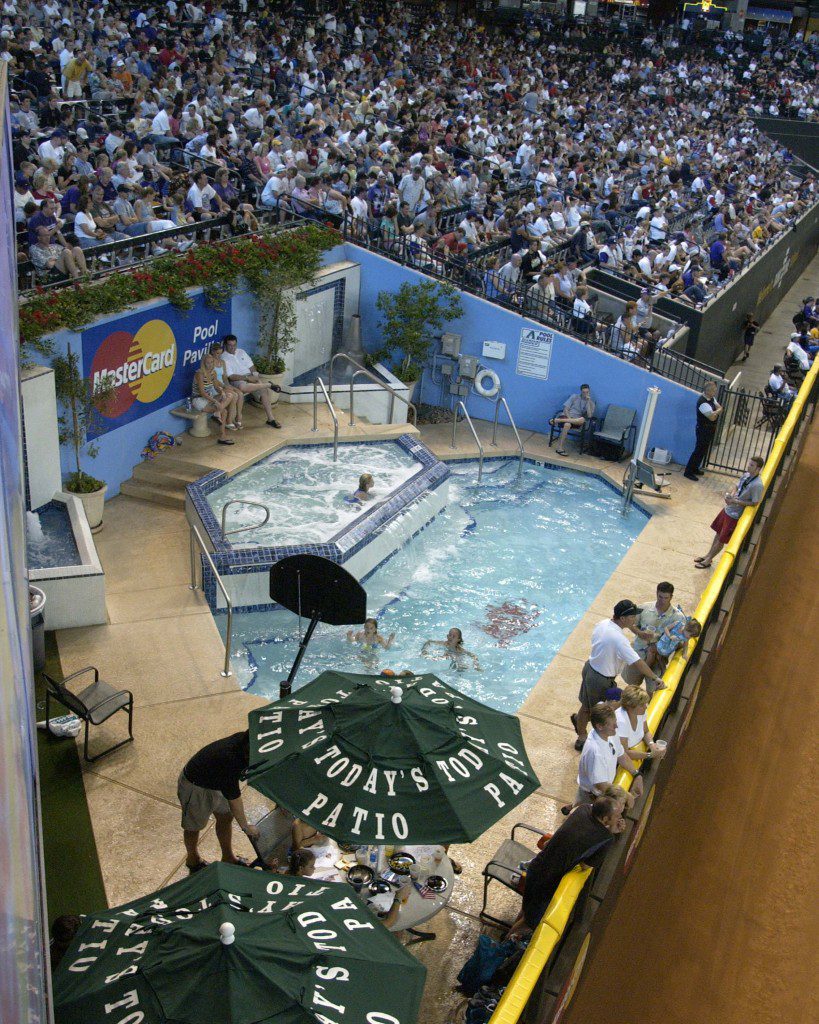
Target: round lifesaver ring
{"points": [[494, 383]]}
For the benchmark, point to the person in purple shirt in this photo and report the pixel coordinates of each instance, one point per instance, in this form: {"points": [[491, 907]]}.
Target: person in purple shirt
{"points": [[45, 217]]}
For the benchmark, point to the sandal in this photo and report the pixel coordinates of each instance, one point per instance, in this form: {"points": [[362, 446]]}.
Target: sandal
{"points": [[225, 441], [561, 451], [700, 563], [238, 424], [197, 867]]}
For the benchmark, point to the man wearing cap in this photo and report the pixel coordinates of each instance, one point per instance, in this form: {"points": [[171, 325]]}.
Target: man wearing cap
{"points": [[610, 652]]}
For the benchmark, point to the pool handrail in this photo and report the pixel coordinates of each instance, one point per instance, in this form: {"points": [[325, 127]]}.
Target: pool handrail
{"points": [[193, 586], [319, 383], [468, 419], [493, 443], [243, 529], [359, 369]]}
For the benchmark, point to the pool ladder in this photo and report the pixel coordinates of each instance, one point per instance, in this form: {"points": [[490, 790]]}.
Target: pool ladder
{"points": [[493, 443], [319, 383], [460, 406]]}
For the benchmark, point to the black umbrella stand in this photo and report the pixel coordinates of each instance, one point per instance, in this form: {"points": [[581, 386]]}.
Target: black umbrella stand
{"points": [[316, 588]]}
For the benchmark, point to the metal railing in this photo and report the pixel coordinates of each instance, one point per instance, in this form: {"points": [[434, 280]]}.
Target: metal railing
{"points": [[493, 443], [462, 407], [319, 383], [194, 533], [363, 371], [243, 529]]}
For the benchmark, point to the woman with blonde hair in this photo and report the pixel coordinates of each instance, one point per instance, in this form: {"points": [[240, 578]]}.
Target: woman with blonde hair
{"points": [[632, 730]]}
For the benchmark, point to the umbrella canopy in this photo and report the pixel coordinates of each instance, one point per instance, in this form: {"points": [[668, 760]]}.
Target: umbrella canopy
{"points": [[366, 759], [230, 945]]}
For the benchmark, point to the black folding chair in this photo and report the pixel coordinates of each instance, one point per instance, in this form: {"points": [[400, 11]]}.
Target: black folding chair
{"points": [[94, 705]]}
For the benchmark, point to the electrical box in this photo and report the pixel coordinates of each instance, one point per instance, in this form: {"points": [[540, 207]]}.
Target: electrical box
{"points": [[454, 388], [463, 390], [450, 344], [447, 369], [468, 366]]}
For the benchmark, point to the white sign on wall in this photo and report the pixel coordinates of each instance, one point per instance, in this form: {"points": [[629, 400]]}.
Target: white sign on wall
{"points": [[535, 353]]}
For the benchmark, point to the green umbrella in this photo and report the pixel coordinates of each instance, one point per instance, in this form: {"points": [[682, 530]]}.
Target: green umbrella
{"points": [[368, 759], [230, 945]]}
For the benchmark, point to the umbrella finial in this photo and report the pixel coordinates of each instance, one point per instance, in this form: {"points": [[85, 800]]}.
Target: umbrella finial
{"points": [[396, 694], [227, 933]]}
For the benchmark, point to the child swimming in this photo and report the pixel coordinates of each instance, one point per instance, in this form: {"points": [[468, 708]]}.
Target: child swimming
{"points": [[365, 485], [369, 638], [453, 648]]}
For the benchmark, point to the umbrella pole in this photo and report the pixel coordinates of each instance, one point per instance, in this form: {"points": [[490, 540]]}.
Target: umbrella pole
{"points": [[287, 684]]}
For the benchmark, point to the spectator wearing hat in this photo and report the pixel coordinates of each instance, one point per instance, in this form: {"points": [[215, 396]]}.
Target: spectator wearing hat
{"points": [[747, 493], [610, 653]]}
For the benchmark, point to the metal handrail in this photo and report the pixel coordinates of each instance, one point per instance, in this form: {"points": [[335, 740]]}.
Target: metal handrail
{"points": [[193, 586], [461, 406], [243, 529], [319, 383], [376, 380], [502, 401]]}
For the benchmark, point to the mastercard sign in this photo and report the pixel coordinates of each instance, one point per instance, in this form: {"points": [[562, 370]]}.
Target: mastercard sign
{"points": [[140, 366], [150, 358]]}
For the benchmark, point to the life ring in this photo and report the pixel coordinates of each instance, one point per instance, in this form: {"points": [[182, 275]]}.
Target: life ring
{"points": [[483, 391]]}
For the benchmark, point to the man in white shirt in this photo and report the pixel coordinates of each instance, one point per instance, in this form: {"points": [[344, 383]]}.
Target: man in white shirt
{"points": [[243, 376], [161, 127], [600, 757], [200, 195], [610, 653]]}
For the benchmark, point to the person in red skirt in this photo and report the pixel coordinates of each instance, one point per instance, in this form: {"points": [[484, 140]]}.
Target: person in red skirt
{"points": [[747, 492]]}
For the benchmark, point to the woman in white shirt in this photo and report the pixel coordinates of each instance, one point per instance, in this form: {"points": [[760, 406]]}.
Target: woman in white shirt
{"points": [[85, 227], [632, 730]]}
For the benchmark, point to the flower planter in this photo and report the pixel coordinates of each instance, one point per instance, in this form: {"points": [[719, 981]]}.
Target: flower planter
{"points": [[94, 505]]}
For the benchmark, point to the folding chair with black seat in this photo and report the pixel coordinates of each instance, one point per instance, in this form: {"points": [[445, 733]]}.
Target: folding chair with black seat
{"points": [[94, 705], [274, 839], [504, 867], [773, 408], [617, 433], [794, 371], [581, 433]]}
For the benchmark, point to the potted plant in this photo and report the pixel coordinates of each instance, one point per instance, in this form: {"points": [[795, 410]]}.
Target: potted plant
{"points": [[277, 317], [410, 318], [83, 403]]}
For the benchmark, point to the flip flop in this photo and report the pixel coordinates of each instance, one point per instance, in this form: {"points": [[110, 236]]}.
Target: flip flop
{"points": [[560, 451], [702, 565], [225, 441]]}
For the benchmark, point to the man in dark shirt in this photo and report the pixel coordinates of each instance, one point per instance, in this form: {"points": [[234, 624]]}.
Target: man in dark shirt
{"points": [[209, 784], [584, 837]]}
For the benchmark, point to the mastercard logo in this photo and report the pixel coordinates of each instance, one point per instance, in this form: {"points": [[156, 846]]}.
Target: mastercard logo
{"points": [[140, 365]]}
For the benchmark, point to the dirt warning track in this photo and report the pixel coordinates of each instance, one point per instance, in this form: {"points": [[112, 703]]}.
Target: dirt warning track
{"points": [[718, 921]]}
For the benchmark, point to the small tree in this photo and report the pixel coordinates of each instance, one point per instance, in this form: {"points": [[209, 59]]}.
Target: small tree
{"points": [[83, 406], [410, 317]]}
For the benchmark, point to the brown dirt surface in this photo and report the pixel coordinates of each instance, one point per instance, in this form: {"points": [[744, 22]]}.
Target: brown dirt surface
{"points": [[718, 921]]}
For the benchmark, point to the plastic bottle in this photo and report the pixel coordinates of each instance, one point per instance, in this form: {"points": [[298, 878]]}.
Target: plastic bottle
{"points": [[372, 860], [188, 404]]}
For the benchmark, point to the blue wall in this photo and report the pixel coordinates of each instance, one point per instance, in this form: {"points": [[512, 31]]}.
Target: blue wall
{"points": [[534, 401]]}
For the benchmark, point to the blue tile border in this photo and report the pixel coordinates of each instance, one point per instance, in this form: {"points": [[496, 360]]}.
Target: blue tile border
{"points": [[230, 561]]}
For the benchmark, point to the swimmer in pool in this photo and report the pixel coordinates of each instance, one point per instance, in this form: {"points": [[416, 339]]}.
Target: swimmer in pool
{"points": [[369, 637], [453, 648], [365, 485]]}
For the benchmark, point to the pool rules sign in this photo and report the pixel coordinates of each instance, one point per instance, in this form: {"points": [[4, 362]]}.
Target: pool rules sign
{"points": [[535, 353]]}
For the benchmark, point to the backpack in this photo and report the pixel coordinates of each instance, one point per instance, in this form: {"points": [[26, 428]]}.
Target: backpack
{"points": [[488, 956]]}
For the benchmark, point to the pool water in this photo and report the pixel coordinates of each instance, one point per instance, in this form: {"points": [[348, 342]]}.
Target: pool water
{"points": [[51, 544], [307, 492], [514, 567]]}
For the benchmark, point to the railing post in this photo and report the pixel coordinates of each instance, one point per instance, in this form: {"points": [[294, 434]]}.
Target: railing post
{"points": [[454, 426], [192, 585], [493, 443], [315, 406], [352, 401]]}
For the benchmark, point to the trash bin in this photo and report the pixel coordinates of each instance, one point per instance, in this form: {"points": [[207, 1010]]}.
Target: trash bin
{"points": [[37, 600]]}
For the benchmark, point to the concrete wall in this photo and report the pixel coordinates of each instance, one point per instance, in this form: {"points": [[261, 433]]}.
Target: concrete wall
{"points": [[533, 401]]}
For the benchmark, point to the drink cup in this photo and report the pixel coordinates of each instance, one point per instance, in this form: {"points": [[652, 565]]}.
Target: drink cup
{"points": [[661, 746]]}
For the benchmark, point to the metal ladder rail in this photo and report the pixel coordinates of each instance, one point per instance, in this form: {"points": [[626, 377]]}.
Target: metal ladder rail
{"points": [[461, 406], [319, 383], [193, 586], [362, 370], [493, 443], [243, 529]]}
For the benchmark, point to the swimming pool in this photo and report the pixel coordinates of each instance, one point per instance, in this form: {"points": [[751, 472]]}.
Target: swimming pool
{"points": [[307, 492], [514, 568]]}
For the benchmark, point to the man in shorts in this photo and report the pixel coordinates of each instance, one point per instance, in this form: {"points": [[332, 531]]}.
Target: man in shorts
{"points": [[209, 785], [747, 493], [610, 652]]}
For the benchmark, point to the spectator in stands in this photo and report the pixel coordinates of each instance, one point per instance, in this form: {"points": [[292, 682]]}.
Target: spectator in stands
{"points": [[578, 410], [243, 376], [708, 412], [654, 618], [584, 838], [778, 386], [601, 756], [747, 493], [632, 730]]}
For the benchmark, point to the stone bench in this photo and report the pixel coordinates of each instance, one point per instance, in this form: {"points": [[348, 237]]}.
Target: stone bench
{"points": [[198, 421]]}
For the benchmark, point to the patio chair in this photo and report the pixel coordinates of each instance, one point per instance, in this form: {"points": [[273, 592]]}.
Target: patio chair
{"points": [[504, 867], [581, 433], [273, 842], [94, 705], [618, 432]]}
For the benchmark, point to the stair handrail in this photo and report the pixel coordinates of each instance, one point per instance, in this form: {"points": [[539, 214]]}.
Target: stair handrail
{"points": [[193, 586], [243, 529], [493, 443], [319, 383], [461, 406], [363, 371]]}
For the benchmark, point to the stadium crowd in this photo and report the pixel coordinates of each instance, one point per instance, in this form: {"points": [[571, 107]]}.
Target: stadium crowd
{"points": [[633, 151]]}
